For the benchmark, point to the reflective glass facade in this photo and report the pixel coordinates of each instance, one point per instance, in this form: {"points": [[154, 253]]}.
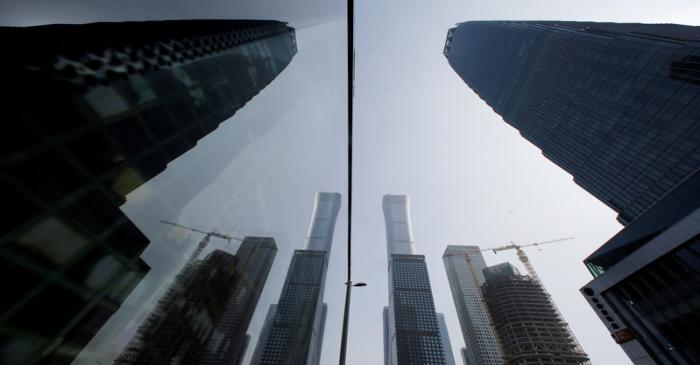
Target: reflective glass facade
{"points": [[464, 265], [661, 303], [293, 330], [615, 105], [117, 103], [417, 332], [412, 330]]}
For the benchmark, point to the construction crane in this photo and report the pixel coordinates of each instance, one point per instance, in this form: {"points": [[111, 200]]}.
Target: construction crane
{"points": [[522, 256], [203, 243]]}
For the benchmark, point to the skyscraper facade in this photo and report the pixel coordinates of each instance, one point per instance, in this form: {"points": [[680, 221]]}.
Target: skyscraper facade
{"points": [[97, 110], [529, 328], [615, 105], [293, 330], [464, 265], [204, 315], [411, 326]]}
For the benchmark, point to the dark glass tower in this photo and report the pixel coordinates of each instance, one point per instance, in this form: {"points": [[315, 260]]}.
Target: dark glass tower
{"points": [[203, 317], [96, 111], [530, 330], [615, 105], [293, 330], [412, 333]]}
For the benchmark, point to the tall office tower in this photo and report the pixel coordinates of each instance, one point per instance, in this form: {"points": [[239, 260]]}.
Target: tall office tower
{"points": [[445, 337], [464, 265], [529, 327], [616, 105], [411, 326], [203, 317], [293, 330], [98, 110]]}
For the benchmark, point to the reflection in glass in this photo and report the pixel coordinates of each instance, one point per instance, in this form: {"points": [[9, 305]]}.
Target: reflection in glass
{"points": [[293, 330], [204, 315], [101, 109]]}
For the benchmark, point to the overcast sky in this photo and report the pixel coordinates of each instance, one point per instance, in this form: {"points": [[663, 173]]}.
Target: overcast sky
{"points": [[419, 130]]}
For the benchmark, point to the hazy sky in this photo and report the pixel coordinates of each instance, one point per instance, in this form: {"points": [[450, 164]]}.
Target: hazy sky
{"points": [[419, 130]]}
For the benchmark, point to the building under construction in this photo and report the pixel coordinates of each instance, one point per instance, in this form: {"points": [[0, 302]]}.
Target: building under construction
{"points": [[529, 327]]}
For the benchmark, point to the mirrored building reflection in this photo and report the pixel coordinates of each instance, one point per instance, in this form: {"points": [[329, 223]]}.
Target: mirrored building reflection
{"points": [[294, 327], [203, 317], [100, 109]]}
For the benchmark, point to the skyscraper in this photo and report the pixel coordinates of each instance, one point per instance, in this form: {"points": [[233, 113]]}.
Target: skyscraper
{"points": [[530, 330], [411, 325], [97, 110], [203, 317], [616, 105], [293, 329], [464, 265]]}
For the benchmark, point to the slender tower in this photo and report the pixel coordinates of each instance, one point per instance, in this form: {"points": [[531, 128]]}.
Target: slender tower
{"points": [[464, 265], [411, 326], [293, 330]]}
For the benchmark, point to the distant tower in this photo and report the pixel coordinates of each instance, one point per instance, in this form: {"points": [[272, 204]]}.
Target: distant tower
{"points": [[527, 323], [411, 326], [293, 330], [464, 265]]}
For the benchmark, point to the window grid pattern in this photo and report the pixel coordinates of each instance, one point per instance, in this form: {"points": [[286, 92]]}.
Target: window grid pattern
{"points": [[617, 110], [415, 321], [481, 346], [661, 303]]}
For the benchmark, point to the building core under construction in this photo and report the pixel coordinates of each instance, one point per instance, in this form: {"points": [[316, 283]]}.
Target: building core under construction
{"points": [[529, 327]]}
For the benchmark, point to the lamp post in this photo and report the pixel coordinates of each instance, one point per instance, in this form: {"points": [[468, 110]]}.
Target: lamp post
{"points": [[346, 315]]}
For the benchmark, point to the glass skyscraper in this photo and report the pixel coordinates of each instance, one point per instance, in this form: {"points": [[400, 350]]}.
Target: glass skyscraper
{"points": [[615, 105], [412, 331], [464, 265], [293, 329], [618, 107], [529, 327], [97, 110]]}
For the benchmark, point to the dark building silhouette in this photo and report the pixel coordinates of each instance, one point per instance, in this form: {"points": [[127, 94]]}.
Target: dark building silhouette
{"points": [[96, 110], [617, 106], [204, 315], [293, 329], [529, 328]]}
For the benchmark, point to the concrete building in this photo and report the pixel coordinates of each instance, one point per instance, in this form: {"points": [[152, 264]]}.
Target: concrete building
{"points": [[529, 328], [412, 331], [464, 265], [293, 329]]}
